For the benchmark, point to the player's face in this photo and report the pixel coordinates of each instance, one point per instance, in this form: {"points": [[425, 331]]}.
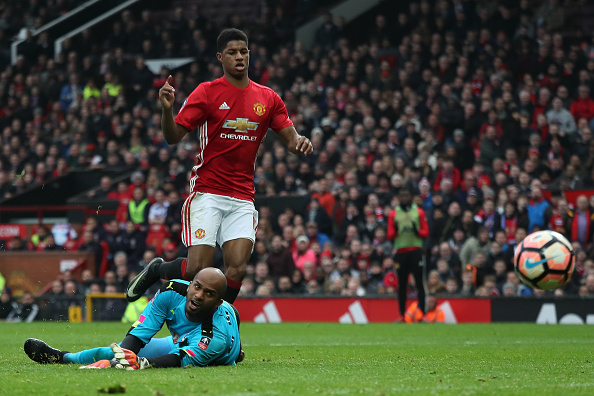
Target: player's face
{"points": [[235, 59], [404, 198], [202, 298]]}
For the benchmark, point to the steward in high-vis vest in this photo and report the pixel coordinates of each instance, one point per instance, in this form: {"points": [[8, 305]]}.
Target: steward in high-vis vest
{"points": [[407, 227], [138, 208], [434, 312]]}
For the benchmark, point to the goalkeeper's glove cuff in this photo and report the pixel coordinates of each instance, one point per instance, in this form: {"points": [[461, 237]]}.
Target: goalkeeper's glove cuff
{"points": [[143, 363]]}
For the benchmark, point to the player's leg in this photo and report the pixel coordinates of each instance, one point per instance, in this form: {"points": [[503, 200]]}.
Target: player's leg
{"points": [[201, 218], [403, 271], [42, 353], [418, 270], [89, 356], [236, 238], [236, 254], [155, 347]]}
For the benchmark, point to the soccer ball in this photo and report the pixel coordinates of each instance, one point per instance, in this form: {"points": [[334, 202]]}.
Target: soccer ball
{"points": [[544, 260]]}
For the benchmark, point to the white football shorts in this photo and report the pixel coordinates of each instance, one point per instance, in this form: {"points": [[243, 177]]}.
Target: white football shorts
{"points": [[208, 219]]}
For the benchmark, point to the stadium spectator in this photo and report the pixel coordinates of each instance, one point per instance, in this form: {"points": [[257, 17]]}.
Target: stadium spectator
{"points": [[280, 260], [520, 289], [26, 311], [583, 105], [105, 190], [55, 308], [157, 213], [303, 253], [132, 241], [467, 288], [7, 303], [580, 223], [451, 287], [17, 244], [284, 286], [113, 308], [174, 210]]}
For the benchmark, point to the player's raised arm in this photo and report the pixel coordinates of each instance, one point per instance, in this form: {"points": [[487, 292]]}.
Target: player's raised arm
{"points": [[173, 132], [296, 143]]}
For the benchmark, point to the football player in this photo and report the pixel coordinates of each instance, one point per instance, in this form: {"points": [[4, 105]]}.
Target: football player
{"points": [[204, 331]]}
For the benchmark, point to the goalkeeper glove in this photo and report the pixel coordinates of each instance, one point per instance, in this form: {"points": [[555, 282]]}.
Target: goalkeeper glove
{"points": [[126, 359], [99, 364]]}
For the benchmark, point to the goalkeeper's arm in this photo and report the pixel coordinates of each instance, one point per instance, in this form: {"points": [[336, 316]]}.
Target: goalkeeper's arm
{"points": [[134, 344], [127, 359], [164, 361]]}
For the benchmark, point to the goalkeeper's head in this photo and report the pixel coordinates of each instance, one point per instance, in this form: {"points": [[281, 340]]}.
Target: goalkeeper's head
{"points": [[205, 294]]}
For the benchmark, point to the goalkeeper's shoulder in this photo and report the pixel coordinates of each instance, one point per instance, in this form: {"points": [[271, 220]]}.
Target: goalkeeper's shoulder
{"points": [[179, 286]]}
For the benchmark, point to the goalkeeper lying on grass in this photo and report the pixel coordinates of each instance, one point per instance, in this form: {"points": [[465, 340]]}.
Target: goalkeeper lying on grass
{"points": [[204, 331]]}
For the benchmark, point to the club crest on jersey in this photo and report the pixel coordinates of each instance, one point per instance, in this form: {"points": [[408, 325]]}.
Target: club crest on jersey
{"points": [[259, 109], [200, 233], [203, 344], [241, 125]]}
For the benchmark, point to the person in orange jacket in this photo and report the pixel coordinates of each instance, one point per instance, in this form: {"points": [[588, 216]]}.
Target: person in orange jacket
{"points": [[434, 313]]}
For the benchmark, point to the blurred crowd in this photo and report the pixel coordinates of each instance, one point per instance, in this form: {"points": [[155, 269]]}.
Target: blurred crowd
{"points": [[483, 110]]}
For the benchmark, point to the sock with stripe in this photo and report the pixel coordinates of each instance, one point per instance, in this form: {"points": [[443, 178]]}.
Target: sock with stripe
{"points": [[175, 269], [233, 287]]}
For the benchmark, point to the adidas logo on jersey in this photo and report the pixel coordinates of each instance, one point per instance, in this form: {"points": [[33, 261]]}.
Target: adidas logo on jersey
{"points": [[224, 106]]}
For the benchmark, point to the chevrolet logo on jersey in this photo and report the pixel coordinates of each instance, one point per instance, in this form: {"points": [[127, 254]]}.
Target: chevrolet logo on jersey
{"points": [[241, 125]]}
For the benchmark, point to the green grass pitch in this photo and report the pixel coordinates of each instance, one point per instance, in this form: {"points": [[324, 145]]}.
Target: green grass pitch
{"points": [[327, 359]]}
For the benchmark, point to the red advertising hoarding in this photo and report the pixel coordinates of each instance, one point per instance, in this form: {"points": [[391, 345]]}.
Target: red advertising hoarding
{"points": [[353, 310], [9, 231]]}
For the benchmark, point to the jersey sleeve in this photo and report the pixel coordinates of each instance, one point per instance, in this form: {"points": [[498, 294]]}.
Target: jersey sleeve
{"points": [[424, 229], [153, 317], [202, 351], [193, 111], [280, 117]]}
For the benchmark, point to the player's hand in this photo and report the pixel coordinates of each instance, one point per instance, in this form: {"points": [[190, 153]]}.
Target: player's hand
{"points": [[124, 358], [304, 145], [167, 94]]}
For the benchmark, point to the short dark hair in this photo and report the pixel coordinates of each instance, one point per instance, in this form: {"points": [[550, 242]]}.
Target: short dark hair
{"points": [[404, 190], [227, 35]]}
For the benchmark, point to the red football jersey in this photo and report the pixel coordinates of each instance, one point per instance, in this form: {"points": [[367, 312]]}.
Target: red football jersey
{"points": [[232, 122]]}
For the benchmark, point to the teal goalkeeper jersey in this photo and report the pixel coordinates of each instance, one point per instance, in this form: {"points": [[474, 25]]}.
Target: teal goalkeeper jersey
{"points": [[212, 342]]}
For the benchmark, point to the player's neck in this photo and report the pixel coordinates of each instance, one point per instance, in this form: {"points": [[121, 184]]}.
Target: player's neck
{"points": [[199, 318], [241, 83]]}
